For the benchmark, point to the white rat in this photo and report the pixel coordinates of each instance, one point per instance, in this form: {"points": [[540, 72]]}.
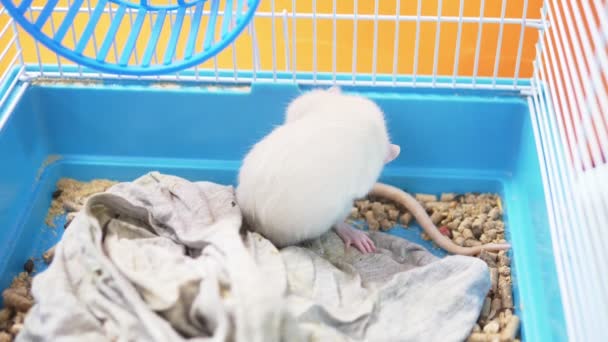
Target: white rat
{"points": [[302, 179]]}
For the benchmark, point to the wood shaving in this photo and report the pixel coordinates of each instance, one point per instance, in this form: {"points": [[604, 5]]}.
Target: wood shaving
{"points": [[17, 300], [48, 161], [70, 195], [5, 337], [469, 219], [73, 193], [49, 255], [46, 81]]}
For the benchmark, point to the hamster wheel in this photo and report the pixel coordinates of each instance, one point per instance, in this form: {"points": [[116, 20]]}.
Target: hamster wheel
{"points": [[160, 33]]}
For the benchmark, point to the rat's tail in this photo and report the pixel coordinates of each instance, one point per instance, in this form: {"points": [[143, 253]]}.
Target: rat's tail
{"points": [[411, 204]]}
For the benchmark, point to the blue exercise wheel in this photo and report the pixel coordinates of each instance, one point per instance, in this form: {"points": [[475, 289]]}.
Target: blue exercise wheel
{"points": [[144, 37]]}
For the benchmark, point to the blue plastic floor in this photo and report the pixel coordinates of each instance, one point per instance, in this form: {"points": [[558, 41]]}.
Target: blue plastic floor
{"points": [[451, 142]]}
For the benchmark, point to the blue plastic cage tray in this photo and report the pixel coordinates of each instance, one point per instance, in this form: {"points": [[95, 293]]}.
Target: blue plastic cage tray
{"points": [[202, 42], [453, 141]]}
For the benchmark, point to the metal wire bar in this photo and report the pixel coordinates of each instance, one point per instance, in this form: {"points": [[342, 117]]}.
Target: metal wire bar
{"points": [[286, 39], [256, 51], [417, 48], [10, 108], [375, 48], [13, 45], [334, 33], [575, 153], [56, 55], [314, 40], [437, 40], [478, 44], [355, 40], [503, 11], [36, 45], [290, 40], [294, 40], [396, 46], [458, 37], [521, 42], [274, 43]]}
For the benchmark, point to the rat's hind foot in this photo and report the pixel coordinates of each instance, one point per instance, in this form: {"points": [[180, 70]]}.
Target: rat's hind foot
{"points": [[355, 237]]}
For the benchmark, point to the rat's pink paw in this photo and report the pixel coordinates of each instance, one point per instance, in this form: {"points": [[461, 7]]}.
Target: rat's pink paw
{"points": [[355, 237]]}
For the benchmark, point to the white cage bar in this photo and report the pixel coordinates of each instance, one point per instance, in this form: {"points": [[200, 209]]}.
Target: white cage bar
{"points": [[285, 22], [566, 87], [11, 60], [569, 111]]}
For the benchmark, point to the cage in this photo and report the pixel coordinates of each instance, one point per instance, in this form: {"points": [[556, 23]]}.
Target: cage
{"points": [[484, 95]]}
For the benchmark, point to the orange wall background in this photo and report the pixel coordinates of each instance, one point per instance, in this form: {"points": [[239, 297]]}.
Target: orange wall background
{"points": [[345, 37]]}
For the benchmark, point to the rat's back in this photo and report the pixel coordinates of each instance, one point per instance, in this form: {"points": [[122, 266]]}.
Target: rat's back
{"points": [[303, 177]]}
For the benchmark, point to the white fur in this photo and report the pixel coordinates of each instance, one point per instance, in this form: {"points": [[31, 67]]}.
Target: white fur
{"points": [[310, 102], [303, 177]]}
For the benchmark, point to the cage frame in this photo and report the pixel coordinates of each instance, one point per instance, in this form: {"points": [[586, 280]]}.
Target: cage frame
{"points": [[570, 68]]}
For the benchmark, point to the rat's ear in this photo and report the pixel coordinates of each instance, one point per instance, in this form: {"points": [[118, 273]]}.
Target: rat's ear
{"points": [[334, 89], [393, 152]]}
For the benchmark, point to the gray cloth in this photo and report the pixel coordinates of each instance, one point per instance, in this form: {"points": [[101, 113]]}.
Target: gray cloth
{"points": [[163, 259]]}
